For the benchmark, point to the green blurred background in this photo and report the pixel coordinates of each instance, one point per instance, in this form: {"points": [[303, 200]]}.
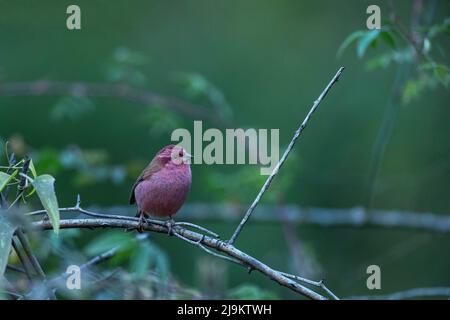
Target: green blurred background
{"points": [[270, 59]]}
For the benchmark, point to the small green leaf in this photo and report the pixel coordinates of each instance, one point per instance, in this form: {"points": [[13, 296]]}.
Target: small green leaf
{"points": [[443, 27], [34, 173], [377, 62], [5, 179], [71, 108], [388, 38], [351, 39], [32, 169], [365, 41], [442, 73], [141, 261], [120, 240], [6, 234], [414, 87], [44, 185]]}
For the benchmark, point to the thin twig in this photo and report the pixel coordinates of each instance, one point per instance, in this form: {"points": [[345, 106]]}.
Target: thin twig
{"points": [[14, 268], [22, 260], [320, 284], [27, 248], [198, 244], [285, 155], [188, 224]]}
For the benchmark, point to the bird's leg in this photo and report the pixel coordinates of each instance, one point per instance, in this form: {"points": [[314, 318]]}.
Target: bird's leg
{"points": [[170, 223], [201, 239], [141, 222], [45, 218]]}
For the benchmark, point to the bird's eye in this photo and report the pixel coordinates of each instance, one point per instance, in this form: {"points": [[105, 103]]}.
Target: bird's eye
{"points": [[180, 153]]}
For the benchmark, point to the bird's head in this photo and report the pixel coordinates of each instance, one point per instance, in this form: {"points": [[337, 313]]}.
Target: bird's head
{"points": [[174, 154]]}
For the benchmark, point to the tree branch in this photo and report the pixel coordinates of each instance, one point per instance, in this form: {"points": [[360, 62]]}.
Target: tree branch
{"points": [[22, 260], [84, 89], [280, 163], [211, 244], [356, 217]]}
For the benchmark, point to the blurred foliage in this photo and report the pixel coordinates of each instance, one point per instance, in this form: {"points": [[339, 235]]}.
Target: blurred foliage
{"points": [[160, 121], [89, 166], [197, 88], [125, 67], [430, 72], [71, 108], [251, 292], [243, 183]]}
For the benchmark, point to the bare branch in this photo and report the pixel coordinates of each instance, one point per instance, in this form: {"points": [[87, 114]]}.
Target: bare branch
{"points": [[84, 89], [285, 155], [320, 284], [356, 217], [205, 241], [22, 260]]}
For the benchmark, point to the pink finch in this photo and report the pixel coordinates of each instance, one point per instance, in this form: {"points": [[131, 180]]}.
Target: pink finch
{"points": [[163, 186]]}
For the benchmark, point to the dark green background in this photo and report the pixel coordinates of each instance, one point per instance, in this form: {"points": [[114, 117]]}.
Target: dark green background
{"points": [[271, 59]]}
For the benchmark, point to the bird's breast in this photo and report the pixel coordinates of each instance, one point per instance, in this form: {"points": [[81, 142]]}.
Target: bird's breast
{"points": [[164, 192]]}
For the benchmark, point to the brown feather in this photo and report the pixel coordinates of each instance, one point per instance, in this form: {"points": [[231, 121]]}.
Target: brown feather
{"points": [[154, 166]]}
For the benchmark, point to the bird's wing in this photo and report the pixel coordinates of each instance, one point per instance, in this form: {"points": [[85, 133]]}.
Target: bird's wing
{"points": [[154, 166]]}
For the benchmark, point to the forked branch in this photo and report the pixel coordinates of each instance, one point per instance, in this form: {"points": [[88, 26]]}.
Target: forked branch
{"points": [[209, 244]]}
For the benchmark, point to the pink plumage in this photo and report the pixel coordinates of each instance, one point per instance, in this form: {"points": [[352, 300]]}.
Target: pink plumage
{"points": [[163, 186]]}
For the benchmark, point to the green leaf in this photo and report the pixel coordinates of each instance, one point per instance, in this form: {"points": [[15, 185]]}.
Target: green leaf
{"points": [[442, 73], [109, 240], [351, 39], [149, 256], [32, 169], [71, 108], [5, 179], [123, 55], [34, 173], [45, 188], [141, 260], [414, 87], [197, 86], [388, 38], [365, 41], [377, 62], [443, 27], [6, 234]]}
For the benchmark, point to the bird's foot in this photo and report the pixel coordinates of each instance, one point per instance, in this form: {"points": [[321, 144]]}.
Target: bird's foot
{"points": [[170, 224], [201, 239], [142, 222], [45, 218]]}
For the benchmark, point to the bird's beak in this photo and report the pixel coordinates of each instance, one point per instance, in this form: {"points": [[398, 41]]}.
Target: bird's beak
{"points": [[187, 157]]}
